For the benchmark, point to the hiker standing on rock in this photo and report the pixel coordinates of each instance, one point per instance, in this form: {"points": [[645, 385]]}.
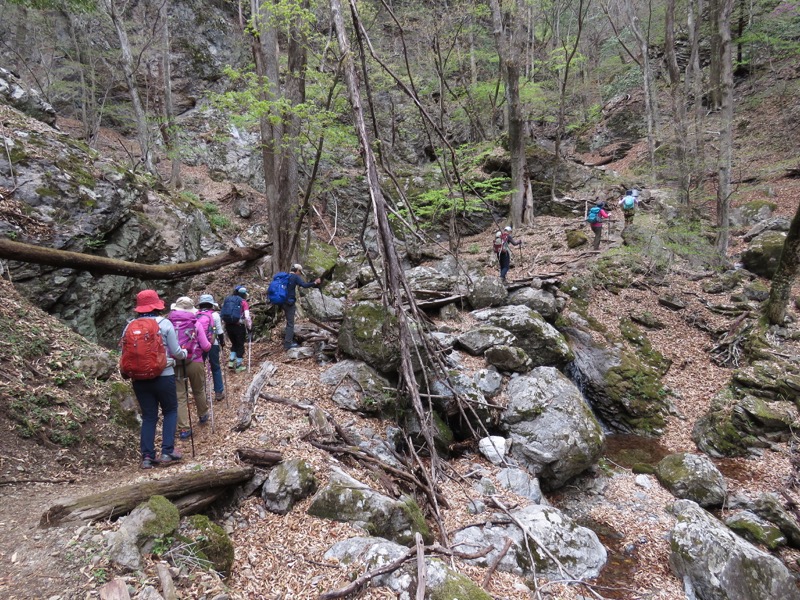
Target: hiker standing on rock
{"points": [[206, 311], [596, 218], [289, 305], [153, 375], [193, 337], [501, 243], [235, 313]]}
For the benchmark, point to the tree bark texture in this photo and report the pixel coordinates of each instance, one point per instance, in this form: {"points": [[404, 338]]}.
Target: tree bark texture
{"points": [[726, 128], [678, 104], [650, 93], [121, 500], [102, 265], [786, 275]]}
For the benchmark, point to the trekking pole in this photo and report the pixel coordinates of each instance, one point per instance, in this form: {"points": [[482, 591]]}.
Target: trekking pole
{"points": [[249, 348], [224, 376], [188, 409], [209, 390]]}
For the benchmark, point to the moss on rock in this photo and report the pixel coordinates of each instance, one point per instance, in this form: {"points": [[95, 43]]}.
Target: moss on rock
{"points": [[636, 387], [458, 587], [321, 259], [167, 518], [212, 543]]}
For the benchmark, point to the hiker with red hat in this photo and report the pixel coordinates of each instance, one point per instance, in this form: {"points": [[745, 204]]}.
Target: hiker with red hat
{"points": [[149, 351]]}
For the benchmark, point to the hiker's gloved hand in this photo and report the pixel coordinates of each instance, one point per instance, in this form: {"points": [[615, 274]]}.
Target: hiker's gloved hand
{"points": [[317, 281]]}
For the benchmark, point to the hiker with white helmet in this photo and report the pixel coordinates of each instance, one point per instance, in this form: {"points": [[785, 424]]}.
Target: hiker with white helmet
{"points": [[193, 336], [289, 306], [501, 243], [629, 203], [235, 313], [153, 375], [206, 306]]}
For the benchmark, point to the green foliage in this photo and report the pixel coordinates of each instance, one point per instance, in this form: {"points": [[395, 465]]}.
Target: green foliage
{"points": [[773, 34]]}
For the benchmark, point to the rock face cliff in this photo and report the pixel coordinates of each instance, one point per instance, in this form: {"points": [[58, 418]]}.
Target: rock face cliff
{"points": [[56, 192]]}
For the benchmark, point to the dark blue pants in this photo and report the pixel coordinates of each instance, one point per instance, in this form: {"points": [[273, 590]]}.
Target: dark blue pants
{"points": [[238, 335], [505, 263], [152, 393], [288, 336], [216, 370]]}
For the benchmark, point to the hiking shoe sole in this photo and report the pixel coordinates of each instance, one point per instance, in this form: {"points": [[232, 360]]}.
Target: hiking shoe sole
{"points": [[171, 458]]}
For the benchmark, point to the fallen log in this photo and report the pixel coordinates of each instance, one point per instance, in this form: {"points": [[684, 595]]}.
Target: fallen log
{"points": [[259, 458], [121, 500], [247, 405]]}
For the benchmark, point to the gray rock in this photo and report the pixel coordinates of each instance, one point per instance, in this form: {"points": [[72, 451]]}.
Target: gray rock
{"points": [[427, 278], [321, 306], [148, 592], [477, 341], [494, 448], [756, 530], [97, 365], [300, 353], [751, 213], [773, 224], [552, 430], [672, 302], [540, 340], [289, 482], [155, 518], [487, 291], [476, 507], [450, 312], [763, 254], [643, 481], [463, 386], [521, 483], [359, 387], [24, 99], [541, 301], [716, 564], [443, 339], [369, 333], [485, 487], [692, 477], [348, 500], [770, 507], [489, 382], [509, 358], [574, 546]]}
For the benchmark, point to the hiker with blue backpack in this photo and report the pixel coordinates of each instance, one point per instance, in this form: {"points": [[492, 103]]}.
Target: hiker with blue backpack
{"points": [[235, 313], [597, 217], [193, 336], [149, 351], [629, 203], [282, 291]]}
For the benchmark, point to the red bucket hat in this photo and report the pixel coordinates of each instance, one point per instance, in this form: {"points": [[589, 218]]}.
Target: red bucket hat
{"points": [[148, 301]]}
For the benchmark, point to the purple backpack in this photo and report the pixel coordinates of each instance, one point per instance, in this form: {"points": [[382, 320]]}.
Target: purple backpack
{"points": [[185, 324]]}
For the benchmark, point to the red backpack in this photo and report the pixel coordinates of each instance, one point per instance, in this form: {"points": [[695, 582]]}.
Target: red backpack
{"points": [[143, 353]]}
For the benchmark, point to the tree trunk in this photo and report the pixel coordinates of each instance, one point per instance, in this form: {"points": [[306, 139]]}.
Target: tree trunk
{"points": [[258, 457], [507, 22], [726, 128], [121, 500], [247, 405], [650, 92], [168, 130], [102, 265], [678, 104], [786, 275], [129, 71], [694, 83], [716, 8]]}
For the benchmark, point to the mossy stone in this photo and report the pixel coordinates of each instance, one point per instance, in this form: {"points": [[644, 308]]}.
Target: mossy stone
{"points": [[636, 387], [321, 259], [212, 543], [458, 587], [576, 238], [167, 517]]}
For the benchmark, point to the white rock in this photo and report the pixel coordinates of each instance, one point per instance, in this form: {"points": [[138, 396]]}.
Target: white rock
{"points": [[643, 481], [494, 448]]}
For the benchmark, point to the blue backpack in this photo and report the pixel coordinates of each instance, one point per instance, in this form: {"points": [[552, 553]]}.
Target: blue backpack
{"points": [[278, 290], [628, 202], [594, 215], [231, 311]]}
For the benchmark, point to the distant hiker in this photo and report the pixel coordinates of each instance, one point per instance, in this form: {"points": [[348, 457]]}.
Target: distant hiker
{"points": [[596, 218], [629, 203], [500, 246], [207, 314], [283, 292], [154, 387], [193, 337], [235, 313]]}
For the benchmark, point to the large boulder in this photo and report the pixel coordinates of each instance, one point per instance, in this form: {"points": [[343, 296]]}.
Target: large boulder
{"points": [[463, 386], [770, 507], [476, 341], [359, 387], [290, 481], [321, 306], [24, 99], [428, 278], [487, 291], [552, 430], [441, 583], [716, 564], [156, 518], [625, 391], [542, 301], [348, 500], [369, 333], [751, 213], [575, 547], [210, 542], [541, 341], [692, 477], [756, 530], [509, 358], [763, 254]]}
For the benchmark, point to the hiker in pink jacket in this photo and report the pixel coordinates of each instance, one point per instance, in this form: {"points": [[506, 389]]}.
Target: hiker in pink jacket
{"points": [[194, 339]]}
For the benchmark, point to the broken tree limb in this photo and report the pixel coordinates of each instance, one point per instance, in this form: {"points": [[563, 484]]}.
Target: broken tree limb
{"points": [[493, 567], [247, 405], [102, 265], [259, 458], [121, 500]]}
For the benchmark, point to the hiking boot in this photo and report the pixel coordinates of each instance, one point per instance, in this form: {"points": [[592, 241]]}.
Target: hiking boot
{"points": [[204, 419], [292, 345], [185, 434], [172, 457], [240, 368], [219, 396], [148, 462], [231, 364]]}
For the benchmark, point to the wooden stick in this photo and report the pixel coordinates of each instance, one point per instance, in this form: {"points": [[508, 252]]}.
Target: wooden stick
{"points": [[495, 563], [422, 574]]}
